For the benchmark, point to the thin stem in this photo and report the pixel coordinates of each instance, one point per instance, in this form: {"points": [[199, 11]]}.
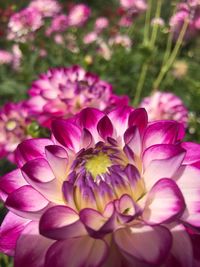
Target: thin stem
{"points": [[140, 84], [172, 57], [156, 26], [147, 22]]}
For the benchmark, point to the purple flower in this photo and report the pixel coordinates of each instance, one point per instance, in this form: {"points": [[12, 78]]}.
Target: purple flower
{"points": [[13, 122], [62, 92], [108, 190], [165, 106]]}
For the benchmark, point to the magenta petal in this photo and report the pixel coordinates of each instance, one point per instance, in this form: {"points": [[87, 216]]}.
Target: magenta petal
{"points": [[58, 160], [82, 251], [10, 231], [133, 139], [61, 222], [67, 133], [31, 149], [162, 132], [160, 152], [105, 127], [164, 202], [12, 181], [31, 247], [192, 153], [26, 201], [139, 118], [148, 244]]}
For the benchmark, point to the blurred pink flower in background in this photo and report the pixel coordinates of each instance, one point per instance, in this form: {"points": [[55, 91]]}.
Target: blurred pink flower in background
{"points": [[61, 92], [14, 118], [48, 8], [78, 15], [58, 24], [121, 40], [101, 23], [165, 106], [5, 57], [23, 23]]}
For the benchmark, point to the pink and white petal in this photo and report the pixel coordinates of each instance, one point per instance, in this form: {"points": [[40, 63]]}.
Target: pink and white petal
{"points": [[81, 251], [26, 202], [105, 127], [181, 250], [10, 230], [67, 134], [132, 138], [31, 247], [88, 118], [158, 169], [192, 152], [139, 118], [58, 160], [161, 151], [164, 203], [119, 118], [188, 180], [162, 132], [31, 149], [40, 176], [61, 222], [148, 244], [12, 181]]}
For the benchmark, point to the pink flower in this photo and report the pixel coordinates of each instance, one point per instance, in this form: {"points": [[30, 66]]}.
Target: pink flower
{"points": [[121, 40], [100, 24], [134, 5], [13, 123], [23, 23], [5, 57], [78, 15], [62, 92], [48, 8], [165, 106], [108, 190], [90, 37], [58, 24]]}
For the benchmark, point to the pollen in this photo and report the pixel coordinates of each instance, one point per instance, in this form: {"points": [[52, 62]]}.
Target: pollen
{"points": [[98, 164]]}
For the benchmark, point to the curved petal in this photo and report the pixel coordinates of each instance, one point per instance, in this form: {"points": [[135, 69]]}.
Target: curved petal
{"points": [[39, 174], [82, 251], [162, 132], [192, 153], [57, 158], [27, 202], [188, 180], [164, 202], [161, 151], [61, 222], [105, 127], [119, 118], [139, 118], [148, 244], [67, 134], [132, 138], [10, 231], [31, 149], [161, 168], [31, 247], [12, 181]]}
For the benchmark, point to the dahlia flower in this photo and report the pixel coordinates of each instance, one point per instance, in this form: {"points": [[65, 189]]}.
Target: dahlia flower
{"points": [[136, 6], [62, 92], [78, 15], [100, 24], [58, 24], [48, 8], [165, 106], [23, 23], [13, 124], [108, 190]]}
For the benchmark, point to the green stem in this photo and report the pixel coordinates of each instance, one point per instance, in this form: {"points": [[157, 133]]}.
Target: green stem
{"points": [[156, 26], [140, 84], [165, 68], [147, 22]]}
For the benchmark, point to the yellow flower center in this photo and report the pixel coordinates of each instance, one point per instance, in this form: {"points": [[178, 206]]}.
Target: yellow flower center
{"points": [[11, 125], [98, 164]]}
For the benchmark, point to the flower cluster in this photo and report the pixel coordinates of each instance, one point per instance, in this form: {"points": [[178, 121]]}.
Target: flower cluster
{"points": [[106, 190], [165, 106], [61, 92], [13, 124]]}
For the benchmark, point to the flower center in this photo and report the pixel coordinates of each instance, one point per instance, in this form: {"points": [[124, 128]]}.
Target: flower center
{"points": [[11, 125], [98, 164]]}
